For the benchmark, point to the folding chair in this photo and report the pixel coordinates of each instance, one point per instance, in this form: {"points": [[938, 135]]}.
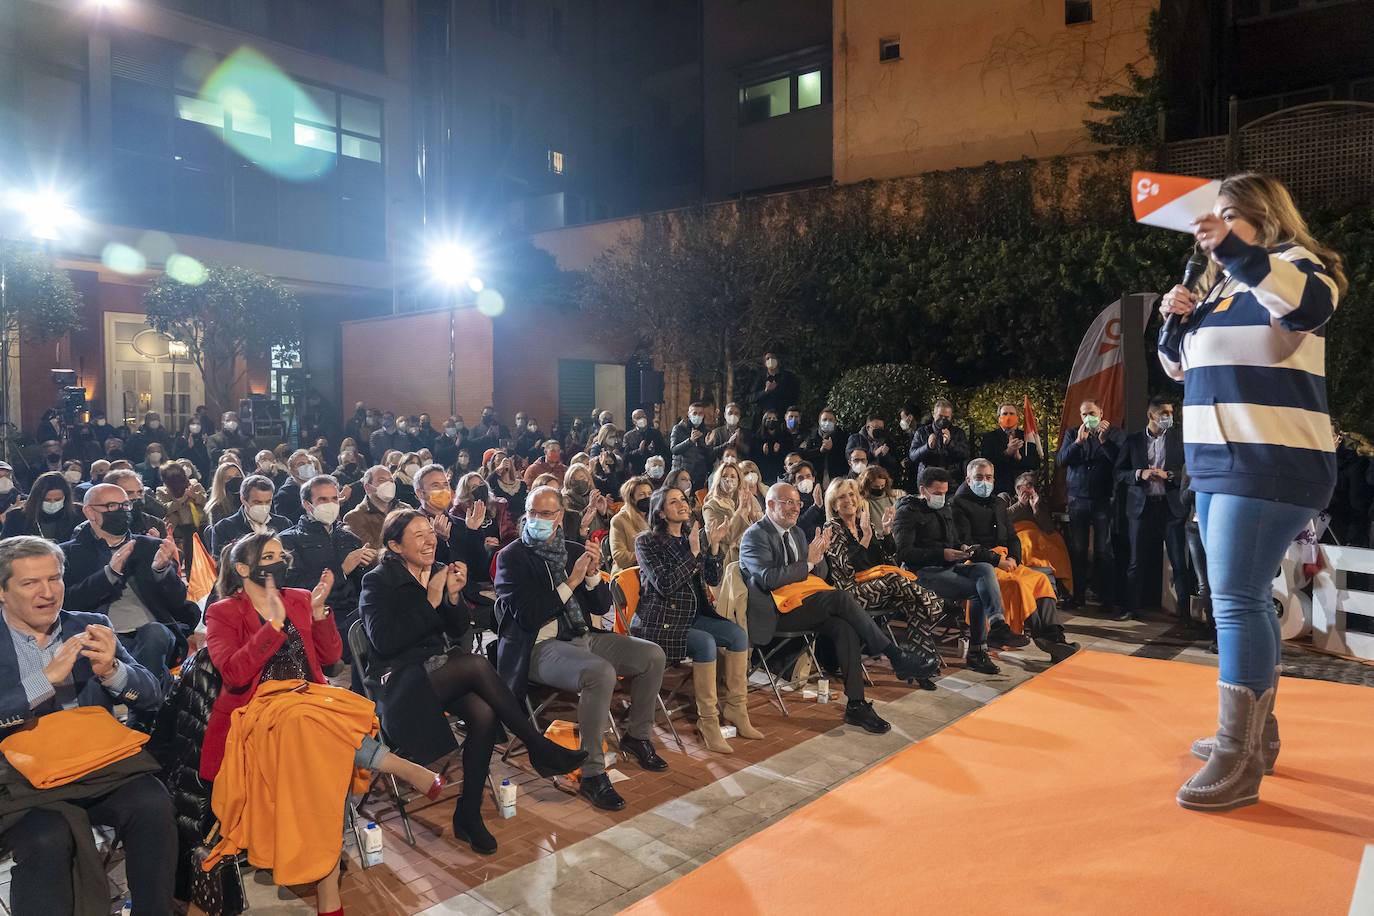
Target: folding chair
{"points": [[781, 638], [624, 599], [361, 648]]}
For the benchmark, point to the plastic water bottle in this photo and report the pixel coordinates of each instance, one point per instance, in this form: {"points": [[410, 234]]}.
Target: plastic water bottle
{"points": [[127, 908], [823, 690], [372, 845], [505, 796]]}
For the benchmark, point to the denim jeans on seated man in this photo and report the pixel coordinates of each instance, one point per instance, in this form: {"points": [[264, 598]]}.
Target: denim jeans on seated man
{"points": [[976, 582], [151, 646]]}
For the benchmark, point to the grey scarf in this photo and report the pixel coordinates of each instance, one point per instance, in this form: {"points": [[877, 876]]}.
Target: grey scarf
{"points": [[554, 553]]}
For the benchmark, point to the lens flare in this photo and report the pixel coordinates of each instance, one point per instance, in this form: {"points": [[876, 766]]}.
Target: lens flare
{"points": [[186, 269], [491, 303], [258, 97], [123, 260]]}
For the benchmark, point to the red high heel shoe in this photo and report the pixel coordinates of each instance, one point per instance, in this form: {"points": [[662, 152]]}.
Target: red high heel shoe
{"points": [[436, 788]]}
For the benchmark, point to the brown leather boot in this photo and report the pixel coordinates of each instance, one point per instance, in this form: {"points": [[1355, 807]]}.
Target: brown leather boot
{"points": [[737, 695], [708, 716]]}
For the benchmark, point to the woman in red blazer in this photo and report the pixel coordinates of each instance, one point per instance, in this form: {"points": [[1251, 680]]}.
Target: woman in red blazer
{"points": [[262, 633]]}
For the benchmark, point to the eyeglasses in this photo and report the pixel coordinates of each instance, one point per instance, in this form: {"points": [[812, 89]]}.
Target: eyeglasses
{"points": [[113, 507], [787, 502]]}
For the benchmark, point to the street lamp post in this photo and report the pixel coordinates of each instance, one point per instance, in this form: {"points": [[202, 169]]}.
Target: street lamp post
{"points": [[452, 267], [46, 214]]}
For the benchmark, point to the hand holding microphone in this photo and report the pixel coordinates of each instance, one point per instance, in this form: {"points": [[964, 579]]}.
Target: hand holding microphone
{"points": [[1182, 300]]}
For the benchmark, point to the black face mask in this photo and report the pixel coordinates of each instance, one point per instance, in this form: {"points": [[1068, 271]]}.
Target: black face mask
{"points": [[479, 494], [642, 505], [943, 423], [276, 570], [232, 497], [770, 424], [115, 522]]}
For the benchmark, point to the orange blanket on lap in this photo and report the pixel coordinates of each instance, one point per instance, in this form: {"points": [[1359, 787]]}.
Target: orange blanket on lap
{"points": [[66, 745], [286, 774], [790, 597], [1020, 589], [875, 572]]}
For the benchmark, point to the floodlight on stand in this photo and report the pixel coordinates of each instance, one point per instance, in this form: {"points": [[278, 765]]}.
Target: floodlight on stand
{"points": [[450, 264], [46, 213]]}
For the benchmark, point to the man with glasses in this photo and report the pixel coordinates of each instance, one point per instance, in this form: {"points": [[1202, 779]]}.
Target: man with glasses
{"points": [[131, 578], [147, 514], [548, 592], [772, 554]]}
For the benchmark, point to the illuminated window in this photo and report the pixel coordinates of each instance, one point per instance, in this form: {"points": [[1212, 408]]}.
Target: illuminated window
{"points": [[766, 100], [555, 162], [202, 111], [809, 89]]}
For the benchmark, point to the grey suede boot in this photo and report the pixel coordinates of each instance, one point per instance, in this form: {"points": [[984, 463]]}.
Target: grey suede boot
{"points": [[1269, 749], [1231, 776]]}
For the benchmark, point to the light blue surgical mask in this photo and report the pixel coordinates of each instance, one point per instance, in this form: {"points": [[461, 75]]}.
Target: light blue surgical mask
{"points": [[694, 419], [936, 501], [981, 488], [1165, 422], [539, 529]]}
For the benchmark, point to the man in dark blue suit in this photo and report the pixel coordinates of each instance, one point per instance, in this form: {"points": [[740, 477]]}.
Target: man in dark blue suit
{"points": [[51, 659], [773, 553], [1150, 467], [1088, 455]]}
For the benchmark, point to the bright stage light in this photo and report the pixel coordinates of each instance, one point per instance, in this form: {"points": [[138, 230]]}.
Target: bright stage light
{"points": [[46, 213], [451, 264]]}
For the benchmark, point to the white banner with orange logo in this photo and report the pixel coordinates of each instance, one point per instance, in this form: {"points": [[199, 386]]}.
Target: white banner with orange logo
{"points": [[1172, 201]]}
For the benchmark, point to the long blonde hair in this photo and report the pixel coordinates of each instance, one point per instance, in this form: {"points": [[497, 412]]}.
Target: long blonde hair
{"points": [[1265, 203]]}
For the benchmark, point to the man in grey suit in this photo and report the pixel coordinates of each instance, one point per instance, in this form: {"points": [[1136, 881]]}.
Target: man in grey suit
{"points": [[774, 553]]}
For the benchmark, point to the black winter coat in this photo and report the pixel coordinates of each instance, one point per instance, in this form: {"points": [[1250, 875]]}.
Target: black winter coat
{"points": [[405, 630], [982, 522]]}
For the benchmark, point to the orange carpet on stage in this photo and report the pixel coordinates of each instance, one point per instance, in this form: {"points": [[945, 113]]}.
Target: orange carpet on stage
{"points": [[1059, 798]]}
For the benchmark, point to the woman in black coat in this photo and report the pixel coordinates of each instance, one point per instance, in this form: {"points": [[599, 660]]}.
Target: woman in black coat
{"points": [[421, 668], [48, 513]]}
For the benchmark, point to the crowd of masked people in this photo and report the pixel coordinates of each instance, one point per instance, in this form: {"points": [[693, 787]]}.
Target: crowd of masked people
{"points": [[430, 576]]}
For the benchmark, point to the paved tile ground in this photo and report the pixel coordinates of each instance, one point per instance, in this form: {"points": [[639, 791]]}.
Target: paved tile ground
{"points": [[560, 856]]}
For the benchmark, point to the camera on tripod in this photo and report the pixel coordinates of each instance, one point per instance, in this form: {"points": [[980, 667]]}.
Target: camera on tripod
{"points": [[71, 397]]}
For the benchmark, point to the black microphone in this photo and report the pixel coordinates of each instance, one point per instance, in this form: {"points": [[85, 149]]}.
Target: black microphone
{"points": [[1192, 274]]}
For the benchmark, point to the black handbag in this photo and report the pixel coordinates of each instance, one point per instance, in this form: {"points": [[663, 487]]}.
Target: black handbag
{"points": [[219, 891]]}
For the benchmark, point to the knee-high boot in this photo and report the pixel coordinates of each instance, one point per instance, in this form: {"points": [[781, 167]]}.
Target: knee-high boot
{"points": [[708, 716], [736, 694]]}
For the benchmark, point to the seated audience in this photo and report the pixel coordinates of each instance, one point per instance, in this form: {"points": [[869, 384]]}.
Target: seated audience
{"points": [[482, 525], [1006, 447], [752, 483], [585, 510], [49, 512], [301, 466], [655, 468], [319, 542], [131, 578], [260, 633], [253, 517], [183, 499], [875, 488], [551, 463], [774, 441], [939, 443], [548, 593], [608, 469], [681, 478], [1041, 543], [629, 522], [726, 505], [435, 499], [676, 612], [858, 462], [689, 447], [61, 660], [229, 437], [407, 468], [506, 483], [146, 513], [928, 544], [861, 563], [421, 667], [99, 468], [379, 499], [1028, 596], [803, 477], [773, 555]]}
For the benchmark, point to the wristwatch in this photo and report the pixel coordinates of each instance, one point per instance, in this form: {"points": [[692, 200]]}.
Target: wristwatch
{"points": [[114, 669]]}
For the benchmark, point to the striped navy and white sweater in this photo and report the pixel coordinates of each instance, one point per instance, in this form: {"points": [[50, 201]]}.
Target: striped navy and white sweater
{"points": [[1252, 360]]}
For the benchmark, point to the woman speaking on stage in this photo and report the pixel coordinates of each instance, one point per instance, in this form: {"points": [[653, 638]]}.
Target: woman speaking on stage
{"points": [[1250, 350]]}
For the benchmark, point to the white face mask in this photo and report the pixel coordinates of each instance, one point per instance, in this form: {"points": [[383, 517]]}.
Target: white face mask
{"points": [[155, 424], [386, 492], [306, 471], [727, 484], [326, 513], [194, 429], [905, 425], [6, 485], [642, 423], [654, 470], [751, 480], [732, 419], [72, 476], [258, 514], [230, 425], [411, 470], [806, 485], [771, 365], [858, 467], [154, 459], [54, 507], [694, 419], [936, 501]]}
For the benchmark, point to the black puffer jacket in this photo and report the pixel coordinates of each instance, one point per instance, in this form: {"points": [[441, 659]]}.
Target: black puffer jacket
{"points": [[177, 738]]}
